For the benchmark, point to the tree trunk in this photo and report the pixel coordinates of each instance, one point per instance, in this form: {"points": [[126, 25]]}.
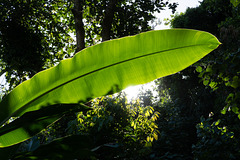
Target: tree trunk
{"points": [[79, 26], [108, 19]]}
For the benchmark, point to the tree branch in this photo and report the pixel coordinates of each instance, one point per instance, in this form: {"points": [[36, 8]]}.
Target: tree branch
{"points": [[108, 19], [79, 26]]}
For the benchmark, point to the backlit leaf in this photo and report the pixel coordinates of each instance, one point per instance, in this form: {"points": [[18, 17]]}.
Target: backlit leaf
{"points": [[107, 68]]}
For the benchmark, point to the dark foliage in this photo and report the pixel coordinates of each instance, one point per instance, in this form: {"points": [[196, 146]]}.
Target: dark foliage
{"points": [[197, 123]]}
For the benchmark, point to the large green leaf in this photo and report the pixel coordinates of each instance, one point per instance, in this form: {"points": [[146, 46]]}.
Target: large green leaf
{"points": [[33, 122], [107, 68]]}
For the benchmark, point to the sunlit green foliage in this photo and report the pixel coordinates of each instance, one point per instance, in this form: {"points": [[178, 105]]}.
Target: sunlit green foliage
{"points": [[164, 127], [130, 127]]}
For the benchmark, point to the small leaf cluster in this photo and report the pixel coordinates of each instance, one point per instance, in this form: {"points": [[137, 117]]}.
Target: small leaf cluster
{"points": [[216, 141]]}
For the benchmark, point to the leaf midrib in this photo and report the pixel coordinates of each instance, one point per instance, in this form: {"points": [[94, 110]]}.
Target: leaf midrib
{"points": [[91, 72]]}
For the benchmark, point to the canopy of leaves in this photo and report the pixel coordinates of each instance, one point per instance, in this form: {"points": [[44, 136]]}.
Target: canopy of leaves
{"points": [[130, 17], [33, 35]]}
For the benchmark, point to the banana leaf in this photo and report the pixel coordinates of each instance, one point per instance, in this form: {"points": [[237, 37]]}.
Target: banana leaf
{"points": [[34, 122], [107, 68]]}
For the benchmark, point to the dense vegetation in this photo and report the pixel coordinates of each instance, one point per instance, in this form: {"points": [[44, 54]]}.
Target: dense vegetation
{"points": [[206, 95], [195, 114]]}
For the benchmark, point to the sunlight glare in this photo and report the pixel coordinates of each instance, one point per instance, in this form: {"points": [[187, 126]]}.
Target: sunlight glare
{"points": [[133, 91]]}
